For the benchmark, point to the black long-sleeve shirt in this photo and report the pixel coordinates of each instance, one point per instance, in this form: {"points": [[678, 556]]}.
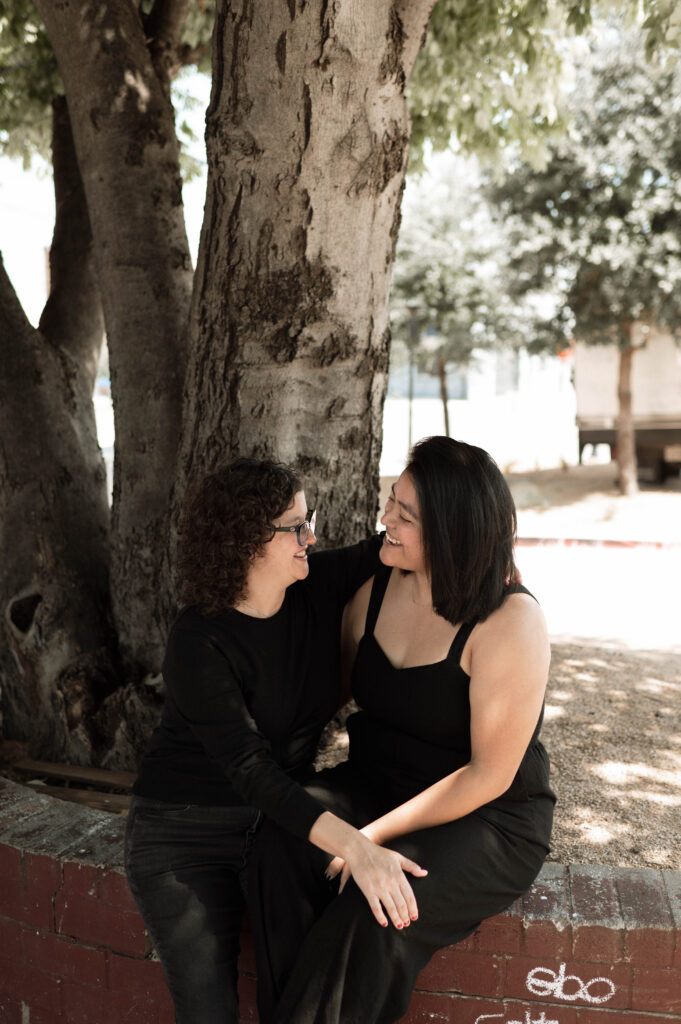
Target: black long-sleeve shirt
{"points": [[247, 698]]}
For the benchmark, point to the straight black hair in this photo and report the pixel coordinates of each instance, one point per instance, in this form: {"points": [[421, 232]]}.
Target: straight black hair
{"points": [[468, 523]]}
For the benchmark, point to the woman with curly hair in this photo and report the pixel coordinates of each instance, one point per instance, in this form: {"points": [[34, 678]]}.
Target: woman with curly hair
{"points": [[252, 677]]}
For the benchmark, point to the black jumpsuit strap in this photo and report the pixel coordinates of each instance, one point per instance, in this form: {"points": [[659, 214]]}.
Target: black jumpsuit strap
{"points": [[459, 641], [378, 589], [466, 628], [518, 588]]}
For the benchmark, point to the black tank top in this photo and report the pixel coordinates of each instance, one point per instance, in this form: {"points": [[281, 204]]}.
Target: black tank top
{"points": [[413, 724]]}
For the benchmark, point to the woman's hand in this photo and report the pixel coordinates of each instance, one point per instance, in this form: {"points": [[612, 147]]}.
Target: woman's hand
{"points": [[380, 874], [339, 866]]}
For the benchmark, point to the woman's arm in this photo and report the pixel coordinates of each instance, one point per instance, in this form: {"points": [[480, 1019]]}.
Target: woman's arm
{"points": [[509, 661], [207, 696], [352, 625]]}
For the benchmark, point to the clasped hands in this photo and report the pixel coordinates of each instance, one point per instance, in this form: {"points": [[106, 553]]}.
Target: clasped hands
{"points": [[380, 875]]}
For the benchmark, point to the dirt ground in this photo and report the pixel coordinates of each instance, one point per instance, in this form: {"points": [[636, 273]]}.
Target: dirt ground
{"points": [[613, 715], [613, 731]]}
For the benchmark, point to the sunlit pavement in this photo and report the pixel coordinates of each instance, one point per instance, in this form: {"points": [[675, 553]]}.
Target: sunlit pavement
{"points": [[623, 596]]}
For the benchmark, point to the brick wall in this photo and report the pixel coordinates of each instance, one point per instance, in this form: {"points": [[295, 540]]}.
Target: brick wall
{"points": [[586, 945]]}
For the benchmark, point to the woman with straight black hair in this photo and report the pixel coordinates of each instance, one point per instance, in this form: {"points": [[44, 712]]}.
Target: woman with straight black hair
{"points": [[450, 661]]}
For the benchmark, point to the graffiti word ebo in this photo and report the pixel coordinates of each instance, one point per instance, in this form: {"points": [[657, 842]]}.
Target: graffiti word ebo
{"points": [[542, 981]]}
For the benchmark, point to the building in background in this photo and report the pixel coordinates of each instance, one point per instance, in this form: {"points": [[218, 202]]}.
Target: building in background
{"points": [[519, 407]]}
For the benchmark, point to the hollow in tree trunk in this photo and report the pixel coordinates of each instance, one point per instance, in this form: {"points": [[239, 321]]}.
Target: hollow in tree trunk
{"points": [[57, 648]]}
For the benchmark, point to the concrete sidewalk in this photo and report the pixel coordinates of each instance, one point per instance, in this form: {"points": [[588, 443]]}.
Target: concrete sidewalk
{"points": [[620, 586]]}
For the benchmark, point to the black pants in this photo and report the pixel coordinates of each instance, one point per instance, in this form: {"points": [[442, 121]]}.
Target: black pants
{"points": [[324, 959], [186, 869]]}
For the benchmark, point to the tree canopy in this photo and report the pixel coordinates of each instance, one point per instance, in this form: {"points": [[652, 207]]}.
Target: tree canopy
{"points": [[599, 226], [449, 263], [489, 72]]}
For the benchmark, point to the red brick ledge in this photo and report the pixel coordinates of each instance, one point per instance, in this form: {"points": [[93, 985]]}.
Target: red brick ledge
{"points": [[586, 945]]}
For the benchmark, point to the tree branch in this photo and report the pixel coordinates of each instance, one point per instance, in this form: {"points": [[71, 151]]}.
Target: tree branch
{"points": [[163, 27], [13, 321], [187, 55], [415, 17], [72, 318]]}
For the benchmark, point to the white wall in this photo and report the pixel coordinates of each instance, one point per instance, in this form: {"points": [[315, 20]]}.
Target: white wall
{"points": [[531, 428], [656, 378]]}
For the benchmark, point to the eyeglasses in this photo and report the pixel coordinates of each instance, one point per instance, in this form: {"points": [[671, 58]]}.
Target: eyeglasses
{"points": [[302, 530]]}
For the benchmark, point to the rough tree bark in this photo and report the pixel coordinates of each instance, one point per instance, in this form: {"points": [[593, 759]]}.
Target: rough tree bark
{"points": [[307, 134], [626, 439], [57, 653], [128, 157]]}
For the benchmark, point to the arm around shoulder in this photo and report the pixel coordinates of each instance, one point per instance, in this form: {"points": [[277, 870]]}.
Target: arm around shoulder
{"points": [[352, 628]]}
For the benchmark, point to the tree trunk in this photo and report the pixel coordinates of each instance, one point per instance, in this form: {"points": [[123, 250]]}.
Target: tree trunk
{"points": [[56, 650], [128, 157], [626, 440], [162, 27], [442, 376], [307, 135]]}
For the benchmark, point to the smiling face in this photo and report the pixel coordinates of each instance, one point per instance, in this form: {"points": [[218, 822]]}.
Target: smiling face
{"points": [[403, 542], [283, 557]]}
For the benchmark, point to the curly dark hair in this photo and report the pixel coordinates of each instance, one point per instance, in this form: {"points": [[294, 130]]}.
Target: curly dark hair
{"points": [[226, 518], [468, 523]]}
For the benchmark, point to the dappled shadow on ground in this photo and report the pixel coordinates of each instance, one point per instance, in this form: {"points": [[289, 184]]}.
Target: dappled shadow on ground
{"points": [[613, 731]]}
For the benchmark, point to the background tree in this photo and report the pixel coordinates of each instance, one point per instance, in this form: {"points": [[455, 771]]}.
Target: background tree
{"points": [[599, 227], [277, 342], [448, 277]]}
